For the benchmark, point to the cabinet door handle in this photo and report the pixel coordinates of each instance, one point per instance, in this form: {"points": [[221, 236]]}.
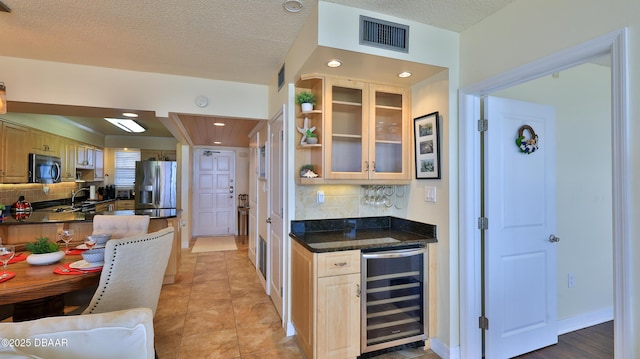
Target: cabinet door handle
{"points": [[366, 166], [358, 291], [341, 264], [374, 166]]}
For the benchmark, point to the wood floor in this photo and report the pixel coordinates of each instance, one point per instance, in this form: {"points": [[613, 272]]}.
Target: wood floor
{"points": [[595, 342]]}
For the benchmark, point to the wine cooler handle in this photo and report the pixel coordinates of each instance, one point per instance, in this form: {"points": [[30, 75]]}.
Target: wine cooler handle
{"points": [[395, 254]]}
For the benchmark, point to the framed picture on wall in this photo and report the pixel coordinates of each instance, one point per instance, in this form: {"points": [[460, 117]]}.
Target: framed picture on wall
{"points": [[427, 146]]}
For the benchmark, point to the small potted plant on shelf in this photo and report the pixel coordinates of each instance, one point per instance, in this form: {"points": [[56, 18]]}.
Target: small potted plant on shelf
{"points": [[43, 252], [306, 100], [312, 138]]}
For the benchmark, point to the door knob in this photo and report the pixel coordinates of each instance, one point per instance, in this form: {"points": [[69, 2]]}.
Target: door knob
{"points": [[268, 220], [553, 238]]}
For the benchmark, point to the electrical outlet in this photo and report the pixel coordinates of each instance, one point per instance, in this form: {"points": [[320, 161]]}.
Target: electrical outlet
{"points": [[570, 280], [320, 196]]}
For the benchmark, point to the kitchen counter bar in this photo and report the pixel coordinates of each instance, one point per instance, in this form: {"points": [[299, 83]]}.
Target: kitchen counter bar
{"points": [[50, 216], [369, 233]]}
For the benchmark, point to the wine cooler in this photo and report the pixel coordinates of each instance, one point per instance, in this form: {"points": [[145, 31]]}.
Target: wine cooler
{"points": [[394, 287]]}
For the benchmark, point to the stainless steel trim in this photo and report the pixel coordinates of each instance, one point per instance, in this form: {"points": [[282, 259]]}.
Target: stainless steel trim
{"points": [[395, 253]]}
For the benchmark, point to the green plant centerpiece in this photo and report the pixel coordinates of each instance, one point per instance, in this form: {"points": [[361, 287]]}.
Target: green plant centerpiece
{"points": [[306, 97], [43, 252]]}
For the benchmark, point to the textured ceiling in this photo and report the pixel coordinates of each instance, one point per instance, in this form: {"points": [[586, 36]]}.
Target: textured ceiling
{"points": [[237, 40]]}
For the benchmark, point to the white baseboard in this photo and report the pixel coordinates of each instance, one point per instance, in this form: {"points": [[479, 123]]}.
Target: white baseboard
{"points": [[443, 350], [585, 320], [291, 330]]}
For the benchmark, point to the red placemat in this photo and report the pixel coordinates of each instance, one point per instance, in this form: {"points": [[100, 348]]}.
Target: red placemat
{"points": [[65, 269], [6, 276], [18, 258], [75, 252]]}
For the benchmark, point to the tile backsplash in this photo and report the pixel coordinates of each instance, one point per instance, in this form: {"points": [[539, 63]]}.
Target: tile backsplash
{"points": [[343, 201], [34, 192]]}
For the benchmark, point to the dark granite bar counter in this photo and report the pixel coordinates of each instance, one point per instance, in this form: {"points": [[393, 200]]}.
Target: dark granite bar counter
{"points": [[50, 216], [369, 233]]}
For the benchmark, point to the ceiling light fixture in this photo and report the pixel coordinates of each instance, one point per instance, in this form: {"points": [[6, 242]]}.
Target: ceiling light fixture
{"points": [[404, 74], [130, 114], [3, 98], [219, 124], [292, 5], [334, 63], [126, 124]]}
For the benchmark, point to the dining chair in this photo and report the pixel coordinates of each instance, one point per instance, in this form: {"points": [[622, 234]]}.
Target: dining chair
{"points": [[133, 272], [120, 226]]}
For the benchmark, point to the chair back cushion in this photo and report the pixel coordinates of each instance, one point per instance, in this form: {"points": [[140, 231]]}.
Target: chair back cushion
{"points": [[119, 334], [133, 272], [120, 226]]}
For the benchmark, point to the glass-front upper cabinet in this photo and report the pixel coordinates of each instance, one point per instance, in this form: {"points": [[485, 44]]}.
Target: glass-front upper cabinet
{"points": [[347, 126], [368, 130], [389, 149]]}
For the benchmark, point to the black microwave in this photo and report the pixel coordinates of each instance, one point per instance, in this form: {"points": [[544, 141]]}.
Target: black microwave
{"points": [[44, 169]]}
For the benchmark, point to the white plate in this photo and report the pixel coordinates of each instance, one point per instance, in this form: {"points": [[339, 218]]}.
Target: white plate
{"points": [[84, 246], [82, 264]]}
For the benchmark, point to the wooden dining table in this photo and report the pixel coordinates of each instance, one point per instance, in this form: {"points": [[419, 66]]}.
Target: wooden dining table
{"points": [[36, 291]]}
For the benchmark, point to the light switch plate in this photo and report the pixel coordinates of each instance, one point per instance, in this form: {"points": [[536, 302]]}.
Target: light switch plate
{"points": [[430, 194], [320, 196]]}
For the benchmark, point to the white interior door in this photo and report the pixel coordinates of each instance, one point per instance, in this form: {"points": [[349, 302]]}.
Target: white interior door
{"points": [[276, 210], [213, 193], [520, 260]]}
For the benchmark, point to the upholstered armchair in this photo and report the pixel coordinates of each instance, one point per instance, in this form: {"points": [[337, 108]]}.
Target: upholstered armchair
{"points": [[120, 226], [120, 334]]}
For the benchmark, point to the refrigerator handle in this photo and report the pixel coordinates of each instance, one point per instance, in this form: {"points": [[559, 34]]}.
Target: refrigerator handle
{"points": [[157, 195]]}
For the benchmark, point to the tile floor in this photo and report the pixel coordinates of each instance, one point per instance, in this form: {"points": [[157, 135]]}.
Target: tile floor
{"points": [[218, 309]]}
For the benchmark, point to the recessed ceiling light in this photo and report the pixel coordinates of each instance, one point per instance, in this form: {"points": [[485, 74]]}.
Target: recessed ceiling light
{"points": [[219, 124], [334, 63], [292, 5], [126, 124], [404, 74], [217, 142], [130, 114]]}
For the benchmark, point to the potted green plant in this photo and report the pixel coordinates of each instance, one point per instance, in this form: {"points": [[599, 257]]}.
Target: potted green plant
{"points": [[43, 252], [306, 100], [312, 138]]}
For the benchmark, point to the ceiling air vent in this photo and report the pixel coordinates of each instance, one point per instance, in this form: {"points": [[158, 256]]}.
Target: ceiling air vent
{"points": [[384, 34]]}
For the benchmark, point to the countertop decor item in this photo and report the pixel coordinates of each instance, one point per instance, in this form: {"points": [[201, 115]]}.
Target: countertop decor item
{"points": [[43, 252], [306, 100]]}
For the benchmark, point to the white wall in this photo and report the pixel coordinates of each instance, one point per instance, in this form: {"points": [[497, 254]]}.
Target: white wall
{"points": [[582, 99], [525, 31]]}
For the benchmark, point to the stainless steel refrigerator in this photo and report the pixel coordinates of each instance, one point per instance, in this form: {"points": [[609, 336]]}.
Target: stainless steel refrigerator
{"points": [[155, 185]]}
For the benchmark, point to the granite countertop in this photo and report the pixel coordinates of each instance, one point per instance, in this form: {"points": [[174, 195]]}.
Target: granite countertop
{"points": [[50, 216], [369, 233]]}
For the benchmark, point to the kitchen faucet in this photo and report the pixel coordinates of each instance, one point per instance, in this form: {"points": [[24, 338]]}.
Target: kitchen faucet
{"points": [[74, 193]]}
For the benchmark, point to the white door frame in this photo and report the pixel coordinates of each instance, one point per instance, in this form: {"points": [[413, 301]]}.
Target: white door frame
{"points": [[614, 43]]}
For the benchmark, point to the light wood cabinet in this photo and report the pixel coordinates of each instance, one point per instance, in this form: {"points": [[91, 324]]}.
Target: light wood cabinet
{"points": [[15, 151], [98, 172], [364, 132], [325, 302], [367, 128], [157, 155], [68, 159], [44, 143], [84, 156], [310, 154], [124, 204]]}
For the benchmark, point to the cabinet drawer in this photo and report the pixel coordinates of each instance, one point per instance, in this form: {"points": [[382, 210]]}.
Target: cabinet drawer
{"points": [[338, 263]]}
